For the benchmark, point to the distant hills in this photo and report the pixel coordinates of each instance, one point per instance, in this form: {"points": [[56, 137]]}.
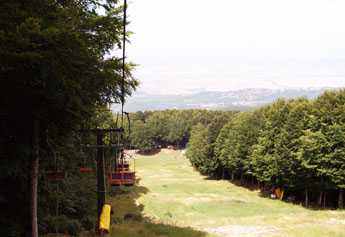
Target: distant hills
{"points": [[242, 100]]}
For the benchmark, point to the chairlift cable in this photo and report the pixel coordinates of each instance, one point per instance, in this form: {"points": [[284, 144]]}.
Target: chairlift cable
{"points": [[123, 61]]}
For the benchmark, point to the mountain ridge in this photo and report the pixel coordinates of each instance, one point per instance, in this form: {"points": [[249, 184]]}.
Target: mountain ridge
{"points": [[242, 100]]}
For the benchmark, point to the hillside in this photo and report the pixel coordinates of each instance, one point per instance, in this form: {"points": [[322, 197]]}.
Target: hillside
{"points": [[242, 100]]}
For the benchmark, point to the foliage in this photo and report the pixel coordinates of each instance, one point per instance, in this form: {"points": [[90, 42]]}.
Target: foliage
{"points": [[169, 127], [143, 138], [295, 145], [196, 149], [56, 71]]}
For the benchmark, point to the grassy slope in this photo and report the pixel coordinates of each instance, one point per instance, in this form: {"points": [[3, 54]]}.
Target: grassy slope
{"points": [[173, 196], [128, 219]]}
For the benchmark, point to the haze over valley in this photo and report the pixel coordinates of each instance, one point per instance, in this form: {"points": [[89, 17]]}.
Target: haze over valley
{"points": [[242, 100]]}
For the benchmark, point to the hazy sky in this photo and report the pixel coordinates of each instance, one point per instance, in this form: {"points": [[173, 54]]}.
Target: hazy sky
{"points": [[194, 45]]}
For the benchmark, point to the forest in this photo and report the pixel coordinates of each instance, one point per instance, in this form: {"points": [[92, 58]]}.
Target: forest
{"points": [[296, 145]]}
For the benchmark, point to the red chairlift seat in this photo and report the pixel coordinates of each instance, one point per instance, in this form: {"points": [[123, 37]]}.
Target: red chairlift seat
{"points": [[56, 175], [122, 167], [122, 178], [85, 169]]}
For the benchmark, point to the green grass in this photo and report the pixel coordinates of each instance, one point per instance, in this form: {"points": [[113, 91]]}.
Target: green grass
{"points": [[128, 219], [174, 200]]}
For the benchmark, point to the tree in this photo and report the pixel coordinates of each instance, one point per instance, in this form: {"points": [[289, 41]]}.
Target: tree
{"points": [[235, 141], [159, 126], [196, 151], [295, 175], [142, 136], [200, 148], [54, 71], [323, 147], [222, 147]]}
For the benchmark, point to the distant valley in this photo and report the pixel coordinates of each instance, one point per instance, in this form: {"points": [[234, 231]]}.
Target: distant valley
{"points": [[241, 100]]}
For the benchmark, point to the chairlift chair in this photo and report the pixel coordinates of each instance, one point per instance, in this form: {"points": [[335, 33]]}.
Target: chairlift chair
{"points": [[84, 168], [122, 167], [122, 178], [56, 174]]}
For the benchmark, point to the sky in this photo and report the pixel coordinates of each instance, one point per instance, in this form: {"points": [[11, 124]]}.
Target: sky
{"points": [[185, 46]]}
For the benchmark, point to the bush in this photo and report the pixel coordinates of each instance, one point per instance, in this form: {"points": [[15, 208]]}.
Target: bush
{"points": [[134, 217], [69, 226]]}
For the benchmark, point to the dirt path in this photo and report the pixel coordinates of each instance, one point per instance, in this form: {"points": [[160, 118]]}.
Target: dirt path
{"points": [[238, 230]]}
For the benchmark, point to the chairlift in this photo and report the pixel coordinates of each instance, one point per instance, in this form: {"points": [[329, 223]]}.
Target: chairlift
{"points": [[56, 174], [122, 176], [122, 167], [84, 168]]}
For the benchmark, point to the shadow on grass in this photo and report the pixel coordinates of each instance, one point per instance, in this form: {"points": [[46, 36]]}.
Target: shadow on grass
{"points": [[263, 193], [127, 218], [251, 187], [150, 152], [147, 228], [209, 178], [266, 193]]}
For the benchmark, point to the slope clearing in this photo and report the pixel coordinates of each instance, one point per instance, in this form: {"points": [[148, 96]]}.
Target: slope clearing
{"points": [[172, 196]]}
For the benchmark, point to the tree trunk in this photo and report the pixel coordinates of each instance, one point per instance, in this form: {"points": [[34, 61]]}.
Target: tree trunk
{"points": [[223, 173], [56, 164], [266, 186], [232, 175], [341, 199], [242, 178], [320, 198], [321, 193], [324, 199], [306, 197], [258, 184], [34, 179]]}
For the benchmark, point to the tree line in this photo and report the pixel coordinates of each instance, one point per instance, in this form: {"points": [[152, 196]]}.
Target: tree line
{"points": [[151, 129], [297, 145]]}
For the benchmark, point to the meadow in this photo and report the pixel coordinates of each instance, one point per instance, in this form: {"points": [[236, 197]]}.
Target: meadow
{"points": [[172, 199]]}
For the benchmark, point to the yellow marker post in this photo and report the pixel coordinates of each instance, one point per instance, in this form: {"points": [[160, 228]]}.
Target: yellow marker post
{"points": [[104, 219], [281, 196]]}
